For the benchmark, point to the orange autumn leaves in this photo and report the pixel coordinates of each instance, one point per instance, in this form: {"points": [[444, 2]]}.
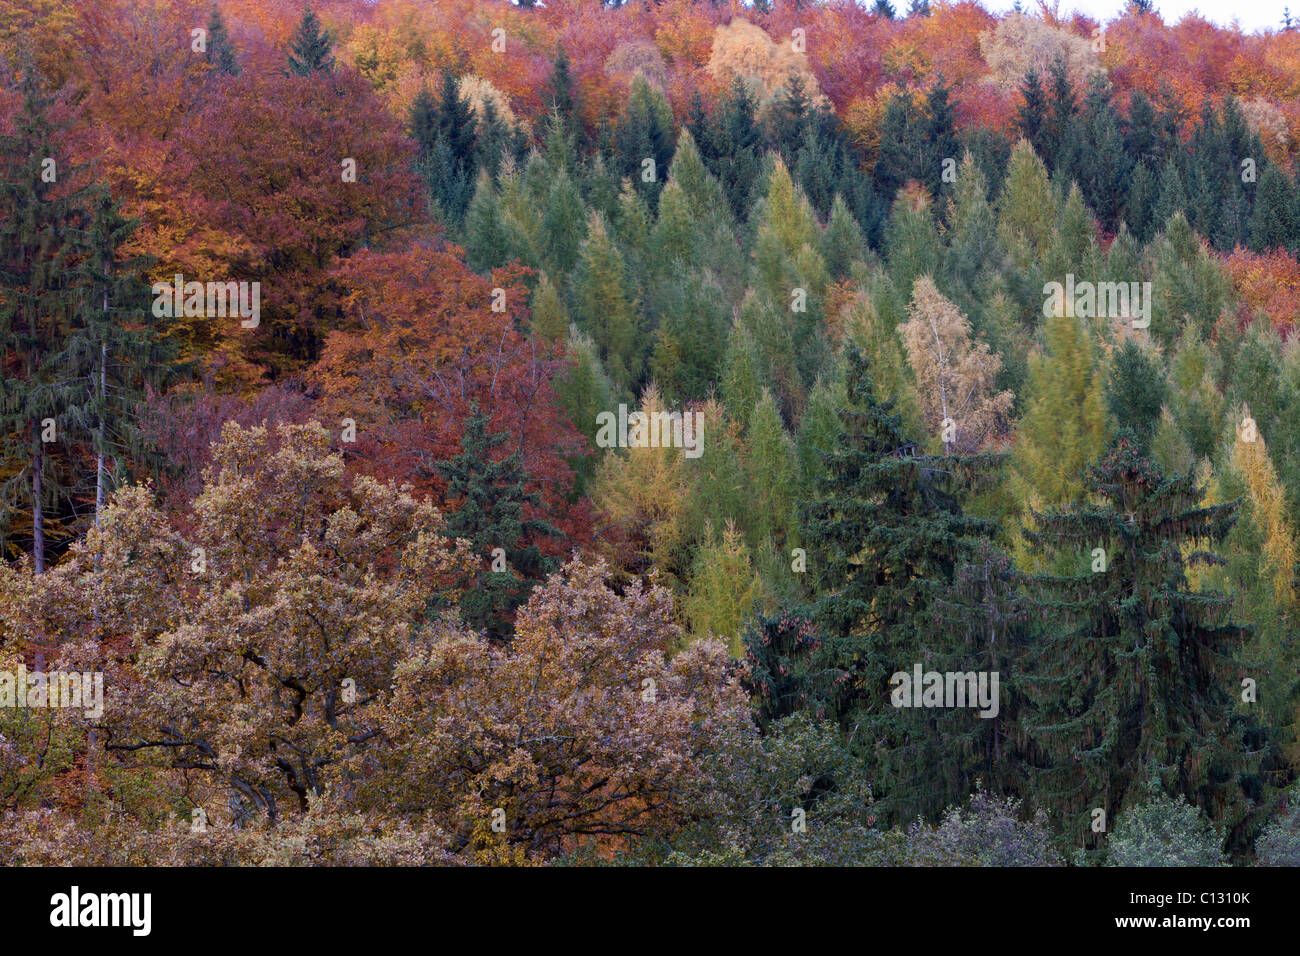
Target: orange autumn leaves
{"points": [[427, 341]]}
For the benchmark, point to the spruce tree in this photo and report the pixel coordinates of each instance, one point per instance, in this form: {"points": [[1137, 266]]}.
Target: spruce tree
{"points": [[788, 119], [489, 497], [1273, 225], [1139, 205], [1142, 134], [904, 150], [1102, 167], [886, 535], [445, 134], [642, 139], [119, 345], [311, 48], [1133, 678], [783, 676], [562, 96], [45, 308], [1031, 114], [495, 140], [940, 136], [220, 51], [1171, 196], [738, 147], [1135, 392], [1061, 141]]}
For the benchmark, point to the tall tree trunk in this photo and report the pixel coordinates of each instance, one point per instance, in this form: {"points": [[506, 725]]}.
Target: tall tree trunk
{"points": [[99, 456], [38, 515]]}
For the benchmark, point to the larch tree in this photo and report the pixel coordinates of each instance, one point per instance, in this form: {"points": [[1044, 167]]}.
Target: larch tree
{"points": [[1026, 226], [1259, 571], [643, 495], [724, 588], [1064, 427], [606, 308], [769, 457]]}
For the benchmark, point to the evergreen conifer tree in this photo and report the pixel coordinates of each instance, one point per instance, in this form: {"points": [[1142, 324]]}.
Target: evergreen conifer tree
{"points": [[1133, 678], [220, 51], [1274, 223], [490, 499], [45, 309], [311, 48], [886, 535]]}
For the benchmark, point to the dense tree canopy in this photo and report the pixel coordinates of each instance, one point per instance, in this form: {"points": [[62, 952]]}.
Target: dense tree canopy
{"points": [[589, 432]]}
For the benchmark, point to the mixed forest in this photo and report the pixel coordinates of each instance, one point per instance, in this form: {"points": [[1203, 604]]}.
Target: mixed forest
{"points": [[366, 579]]}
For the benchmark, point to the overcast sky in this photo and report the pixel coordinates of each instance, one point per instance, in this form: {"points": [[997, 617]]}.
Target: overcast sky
{"points": [[1252, 15]]}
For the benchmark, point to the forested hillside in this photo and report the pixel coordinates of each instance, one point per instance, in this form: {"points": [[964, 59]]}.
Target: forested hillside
{"points": [[458, 432]]}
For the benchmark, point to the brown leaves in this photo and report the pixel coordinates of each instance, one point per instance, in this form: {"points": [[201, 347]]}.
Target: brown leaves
{"points": [[954, 378], [580, 729]]}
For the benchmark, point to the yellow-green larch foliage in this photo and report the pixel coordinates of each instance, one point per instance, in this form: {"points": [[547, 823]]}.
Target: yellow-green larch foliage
{"points": [[724, 588], [642, 492], [1064, 428]]}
